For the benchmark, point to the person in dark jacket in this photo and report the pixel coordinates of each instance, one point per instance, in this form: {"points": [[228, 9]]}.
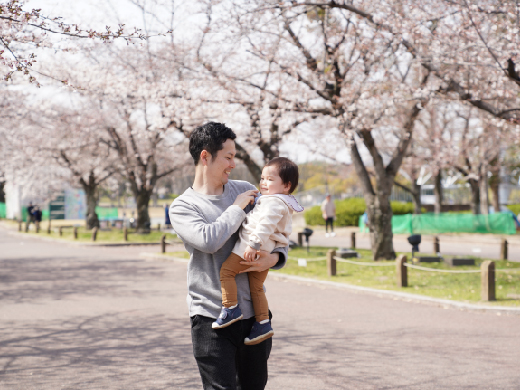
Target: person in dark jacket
{"points": [[37, 213], [167, 221], [30, 211]]}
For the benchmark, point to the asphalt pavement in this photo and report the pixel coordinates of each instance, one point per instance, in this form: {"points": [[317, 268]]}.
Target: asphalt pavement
{"points": [[74, 317]]}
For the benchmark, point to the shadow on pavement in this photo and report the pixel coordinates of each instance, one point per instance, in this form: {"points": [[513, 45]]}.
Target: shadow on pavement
{"points": [[116, 350]]}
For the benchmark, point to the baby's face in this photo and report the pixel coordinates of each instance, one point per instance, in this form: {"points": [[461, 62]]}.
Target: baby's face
{"points": [[271, 182]]}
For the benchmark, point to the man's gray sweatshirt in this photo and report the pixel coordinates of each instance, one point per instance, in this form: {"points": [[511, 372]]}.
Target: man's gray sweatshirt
{"points": [[208, 225]]}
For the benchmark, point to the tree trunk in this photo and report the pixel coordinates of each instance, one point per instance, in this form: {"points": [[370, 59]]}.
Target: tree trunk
{"points": [[142, 200], [379, 211], [438, 193], [244, 156], [494, 183], [2, 191], [484, 196], [416, 197], [379, 214], [475, 196], [91, 193]]}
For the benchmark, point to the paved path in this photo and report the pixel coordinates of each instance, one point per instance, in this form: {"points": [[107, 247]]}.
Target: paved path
{"points": [[99, 318]]}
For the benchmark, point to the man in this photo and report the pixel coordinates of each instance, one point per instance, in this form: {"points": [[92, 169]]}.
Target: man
{"points": [[207, 218], [328, 209]]}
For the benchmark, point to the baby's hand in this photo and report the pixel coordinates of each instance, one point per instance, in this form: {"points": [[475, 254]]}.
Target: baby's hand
{"points": [[250, 254]]}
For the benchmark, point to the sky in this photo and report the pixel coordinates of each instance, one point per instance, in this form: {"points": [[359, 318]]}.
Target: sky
{"points": [[97, 14]]}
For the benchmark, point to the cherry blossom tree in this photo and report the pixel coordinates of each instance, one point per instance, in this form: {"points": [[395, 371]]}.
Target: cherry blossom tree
{"points": [[77, 146], [343, 68], [143, 89], [23, 30]]}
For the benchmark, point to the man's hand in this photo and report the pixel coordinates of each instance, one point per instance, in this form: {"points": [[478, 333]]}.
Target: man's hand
{"points": [[246, 198], [265, 261], [250, 254]]}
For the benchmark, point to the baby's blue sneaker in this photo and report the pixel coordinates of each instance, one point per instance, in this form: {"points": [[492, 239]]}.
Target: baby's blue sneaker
{"points": [[227, 317], [259, 332]]}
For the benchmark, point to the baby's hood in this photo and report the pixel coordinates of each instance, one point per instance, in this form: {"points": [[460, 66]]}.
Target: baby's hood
{"points": [[289, 201]]}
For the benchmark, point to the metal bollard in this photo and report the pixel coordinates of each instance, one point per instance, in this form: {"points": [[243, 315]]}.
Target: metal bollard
{"points": [[503, 250], [163, 243], [436, 245], [401, 271], [353, 240], [331, 262], [94, 234], [75, 232], [487, 290], [300, 239]]}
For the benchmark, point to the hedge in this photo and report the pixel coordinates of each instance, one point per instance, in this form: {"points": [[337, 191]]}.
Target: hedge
{"points": [[515, 208], [349, 210]]}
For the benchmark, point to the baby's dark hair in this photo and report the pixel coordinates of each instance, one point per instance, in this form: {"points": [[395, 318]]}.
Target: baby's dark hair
{"points": [[287, 170]]}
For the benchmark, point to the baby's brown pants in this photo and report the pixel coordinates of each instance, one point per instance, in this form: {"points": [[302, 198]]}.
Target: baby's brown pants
{"points": [[229, 270]]}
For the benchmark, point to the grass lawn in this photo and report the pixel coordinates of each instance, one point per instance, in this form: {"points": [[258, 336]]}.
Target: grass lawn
{"points": [[182, 255], [458, 287], [112, 236]]}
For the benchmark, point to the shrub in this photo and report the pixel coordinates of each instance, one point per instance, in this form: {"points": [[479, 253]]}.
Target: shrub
{"points": [[349, 210], [515, 208]]}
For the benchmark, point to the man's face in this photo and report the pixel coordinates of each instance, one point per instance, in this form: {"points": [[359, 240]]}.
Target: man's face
{"points": [[220, 167]]}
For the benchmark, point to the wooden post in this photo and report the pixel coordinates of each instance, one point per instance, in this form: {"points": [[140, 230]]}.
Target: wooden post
{"points": [[75, 232], [125, 234], [401, 271], [353, 240], [487, 290], [158, 227], [60, 231], [37, 224], [27, 227], [163, 243], [49, 226], [436, 245], [94, 234], [503, 250], [300, 239], [20, 223], [331, 262]]}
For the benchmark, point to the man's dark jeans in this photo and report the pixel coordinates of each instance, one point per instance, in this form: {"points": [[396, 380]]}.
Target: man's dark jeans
{"points": [[225, 362]]}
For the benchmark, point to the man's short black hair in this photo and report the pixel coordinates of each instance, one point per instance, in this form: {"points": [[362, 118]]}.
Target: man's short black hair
{"points": [[209, 137], [287, 170]]}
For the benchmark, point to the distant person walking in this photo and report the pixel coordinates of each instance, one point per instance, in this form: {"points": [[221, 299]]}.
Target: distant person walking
{"points": [[328, 210], [167, 221], [30, 216], [37, 214]]}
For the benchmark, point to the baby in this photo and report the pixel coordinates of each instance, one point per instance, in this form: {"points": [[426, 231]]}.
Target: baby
{"points": [[265, 228]]}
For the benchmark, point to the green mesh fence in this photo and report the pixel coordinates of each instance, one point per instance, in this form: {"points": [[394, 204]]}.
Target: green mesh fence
{"points": [[450, 223], [2, 210], [107, 212]]}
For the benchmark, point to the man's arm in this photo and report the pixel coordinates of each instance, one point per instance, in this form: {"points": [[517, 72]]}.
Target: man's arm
{"points": [[283, 254], [274, 260], [191, 227]]}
